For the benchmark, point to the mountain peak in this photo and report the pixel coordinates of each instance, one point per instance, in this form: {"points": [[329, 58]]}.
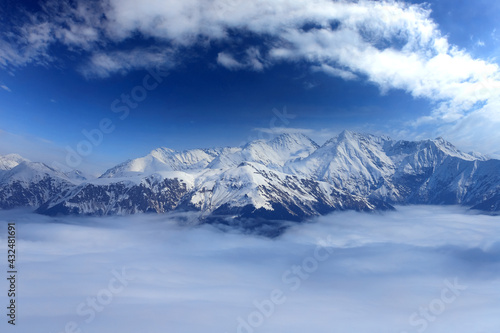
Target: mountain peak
{"points": [[10, 161], [293, 138], [346, 134], [284, 177], [28, 171], [449, 149], [162, 152], [351, 136]]}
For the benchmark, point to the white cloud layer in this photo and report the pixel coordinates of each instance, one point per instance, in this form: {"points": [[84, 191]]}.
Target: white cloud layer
{"points": [[392, 44], [379, 271]]}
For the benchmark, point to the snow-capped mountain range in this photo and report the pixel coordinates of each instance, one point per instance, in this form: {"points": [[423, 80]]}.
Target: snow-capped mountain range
{"points": [[287, 178]]}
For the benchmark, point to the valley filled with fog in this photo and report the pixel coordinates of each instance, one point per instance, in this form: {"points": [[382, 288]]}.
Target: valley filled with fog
{"points": [[418, 269]]}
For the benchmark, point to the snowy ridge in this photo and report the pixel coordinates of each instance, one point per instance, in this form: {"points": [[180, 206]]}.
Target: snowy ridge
{"points": [[78, 176], [163, 159], [287, 178], [10, 161], [31, 184]]}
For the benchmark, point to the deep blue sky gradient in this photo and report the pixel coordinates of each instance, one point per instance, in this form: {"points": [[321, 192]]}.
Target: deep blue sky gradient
{"points": [[201, 104]]}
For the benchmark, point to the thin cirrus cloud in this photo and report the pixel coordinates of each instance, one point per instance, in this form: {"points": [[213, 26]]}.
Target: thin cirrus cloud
{"points": [[4, 87], [391, 44], [382, 269], [101, 64]]}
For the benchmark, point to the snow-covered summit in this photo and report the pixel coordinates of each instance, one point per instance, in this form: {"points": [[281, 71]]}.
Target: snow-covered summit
{"points": [[162, 160], [10, 161], [31, 184], [273, 153], [286, 177]]}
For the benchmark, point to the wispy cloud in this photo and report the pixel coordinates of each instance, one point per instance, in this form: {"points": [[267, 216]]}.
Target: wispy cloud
{"points": [[251, 59], [4, 87], [228, 61], [346, 75], [101, 64]]}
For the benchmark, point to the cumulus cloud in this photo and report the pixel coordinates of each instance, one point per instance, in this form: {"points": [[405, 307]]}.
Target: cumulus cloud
{"points": [[392, 44], [377, 271]]}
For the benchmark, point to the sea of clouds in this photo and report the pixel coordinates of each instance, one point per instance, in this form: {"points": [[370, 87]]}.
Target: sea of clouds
{"points": [[418, 269]]}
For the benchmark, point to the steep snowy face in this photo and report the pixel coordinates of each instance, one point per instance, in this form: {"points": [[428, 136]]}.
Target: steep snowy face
{"points": [[29, 172], [10, 161], [273, 153], [254, 190], [420, 156], [161, 160], [237, 186], [290, 147], [153, 194], [194, 159], [31, 184], [288, 177], [78, 176], [248, 190], [379, 167], [450, 150], [350, 161]]}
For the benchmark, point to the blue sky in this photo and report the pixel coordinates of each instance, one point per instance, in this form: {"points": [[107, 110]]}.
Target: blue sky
{"points": [[406, 69]]}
